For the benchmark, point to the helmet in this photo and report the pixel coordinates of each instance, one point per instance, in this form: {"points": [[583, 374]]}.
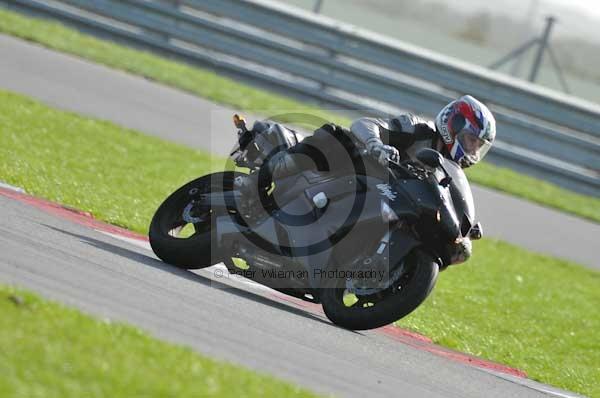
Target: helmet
{"points": [[467, 128]]}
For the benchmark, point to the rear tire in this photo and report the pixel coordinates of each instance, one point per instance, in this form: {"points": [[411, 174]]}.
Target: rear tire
{"points": [[421, 275], [199, 250]]}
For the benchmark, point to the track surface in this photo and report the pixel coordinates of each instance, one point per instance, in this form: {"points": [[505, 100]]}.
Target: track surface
{"points": [[70, 83], [224, 318]]}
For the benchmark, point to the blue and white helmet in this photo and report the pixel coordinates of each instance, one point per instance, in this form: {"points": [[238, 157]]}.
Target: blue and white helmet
{"points": [[468, 129]]}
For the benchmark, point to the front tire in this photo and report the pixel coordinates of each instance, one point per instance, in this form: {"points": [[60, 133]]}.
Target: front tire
{"points": [[392, 304], [199, 248]]}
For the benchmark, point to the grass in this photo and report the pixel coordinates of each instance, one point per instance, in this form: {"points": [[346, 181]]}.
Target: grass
{"points": [[47, 350], [534, 190], [526, 310], [226, 91], [119, 175], [530, 311]]}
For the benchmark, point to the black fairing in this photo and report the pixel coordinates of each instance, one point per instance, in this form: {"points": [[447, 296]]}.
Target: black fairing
{"points": [[417, 198], [462, 197], [446, 191], [439, 207]]}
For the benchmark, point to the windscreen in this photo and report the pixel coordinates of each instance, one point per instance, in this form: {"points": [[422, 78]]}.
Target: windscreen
{"points": [[460, 191]]}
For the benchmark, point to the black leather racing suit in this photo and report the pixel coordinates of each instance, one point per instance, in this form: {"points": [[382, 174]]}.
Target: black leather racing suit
{"points": [[407, 133]]}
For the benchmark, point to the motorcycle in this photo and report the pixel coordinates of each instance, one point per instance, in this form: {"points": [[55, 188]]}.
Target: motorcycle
{"points": [[366, 243]]}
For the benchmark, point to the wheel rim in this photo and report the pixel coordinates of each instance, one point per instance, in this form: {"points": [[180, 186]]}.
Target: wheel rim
{"points": [[182, 221], [181, 218], [352, 301]]}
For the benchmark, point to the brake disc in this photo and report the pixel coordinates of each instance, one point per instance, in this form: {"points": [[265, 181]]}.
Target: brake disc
{"points": [[354, 286], [187, 214]]}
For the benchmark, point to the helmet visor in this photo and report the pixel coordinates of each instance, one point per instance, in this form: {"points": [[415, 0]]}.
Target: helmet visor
{"points": [[473, 147]]}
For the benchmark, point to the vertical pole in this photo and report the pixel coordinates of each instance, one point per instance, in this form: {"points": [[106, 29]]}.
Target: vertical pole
{"points": [[559, 73], [318, 6], [540, 54]]}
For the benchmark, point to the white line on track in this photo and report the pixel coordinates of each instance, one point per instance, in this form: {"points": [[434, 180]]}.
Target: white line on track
{"points": [[534, 385], [11, 187], [217, 272]]}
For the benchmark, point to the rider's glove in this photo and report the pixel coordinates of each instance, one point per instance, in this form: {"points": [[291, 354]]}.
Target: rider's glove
{"points": [[382, 152]]}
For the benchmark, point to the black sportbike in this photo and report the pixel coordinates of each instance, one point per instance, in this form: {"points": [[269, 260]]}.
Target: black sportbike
{"points": [[366, 242]]}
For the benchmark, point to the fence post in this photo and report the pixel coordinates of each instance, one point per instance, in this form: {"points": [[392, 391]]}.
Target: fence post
{"points": [[318, 6]]}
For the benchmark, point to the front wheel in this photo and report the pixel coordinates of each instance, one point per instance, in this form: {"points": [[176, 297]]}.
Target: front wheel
{"points": [[356, 312], [182, 236]]}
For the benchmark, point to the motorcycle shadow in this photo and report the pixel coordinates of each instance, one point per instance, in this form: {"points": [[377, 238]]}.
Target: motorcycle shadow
{"points": [[188, 275]]}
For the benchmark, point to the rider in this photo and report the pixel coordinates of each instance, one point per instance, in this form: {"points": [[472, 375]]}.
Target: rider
{"points": [[463, 132]]}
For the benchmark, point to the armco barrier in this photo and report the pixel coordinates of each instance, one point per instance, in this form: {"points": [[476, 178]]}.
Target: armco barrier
{"points": [[540, 132]]}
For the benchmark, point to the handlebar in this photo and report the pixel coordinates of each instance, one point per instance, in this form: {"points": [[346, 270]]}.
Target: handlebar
{"points": [[361, 152]]}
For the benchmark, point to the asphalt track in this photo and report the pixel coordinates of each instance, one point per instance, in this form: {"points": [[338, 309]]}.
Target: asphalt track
{"points": [[73, 84], [225, 318], [48, 250]]}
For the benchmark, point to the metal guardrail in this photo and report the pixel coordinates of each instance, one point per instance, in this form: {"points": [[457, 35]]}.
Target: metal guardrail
{"points": [[540, 132]]}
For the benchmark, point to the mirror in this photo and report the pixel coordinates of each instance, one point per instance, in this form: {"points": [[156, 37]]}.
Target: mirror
{"points": [[476, 232], [430, 157]]}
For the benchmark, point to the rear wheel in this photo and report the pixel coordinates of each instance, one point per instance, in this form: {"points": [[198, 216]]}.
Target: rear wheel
{"points": [[360, 312], [181, 235]]}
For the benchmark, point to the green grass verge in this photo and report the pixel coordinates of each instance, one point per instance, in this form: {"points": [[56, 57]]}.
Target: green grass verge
{"points": [[119, 175], [526, 310], [226, 91], [530, 311], [47, 350]]}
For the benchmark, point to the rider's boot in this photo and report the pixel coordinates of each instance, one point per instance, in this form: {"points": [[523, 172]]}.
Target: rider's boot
{"points": [[249, 188], [254, 186]]}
